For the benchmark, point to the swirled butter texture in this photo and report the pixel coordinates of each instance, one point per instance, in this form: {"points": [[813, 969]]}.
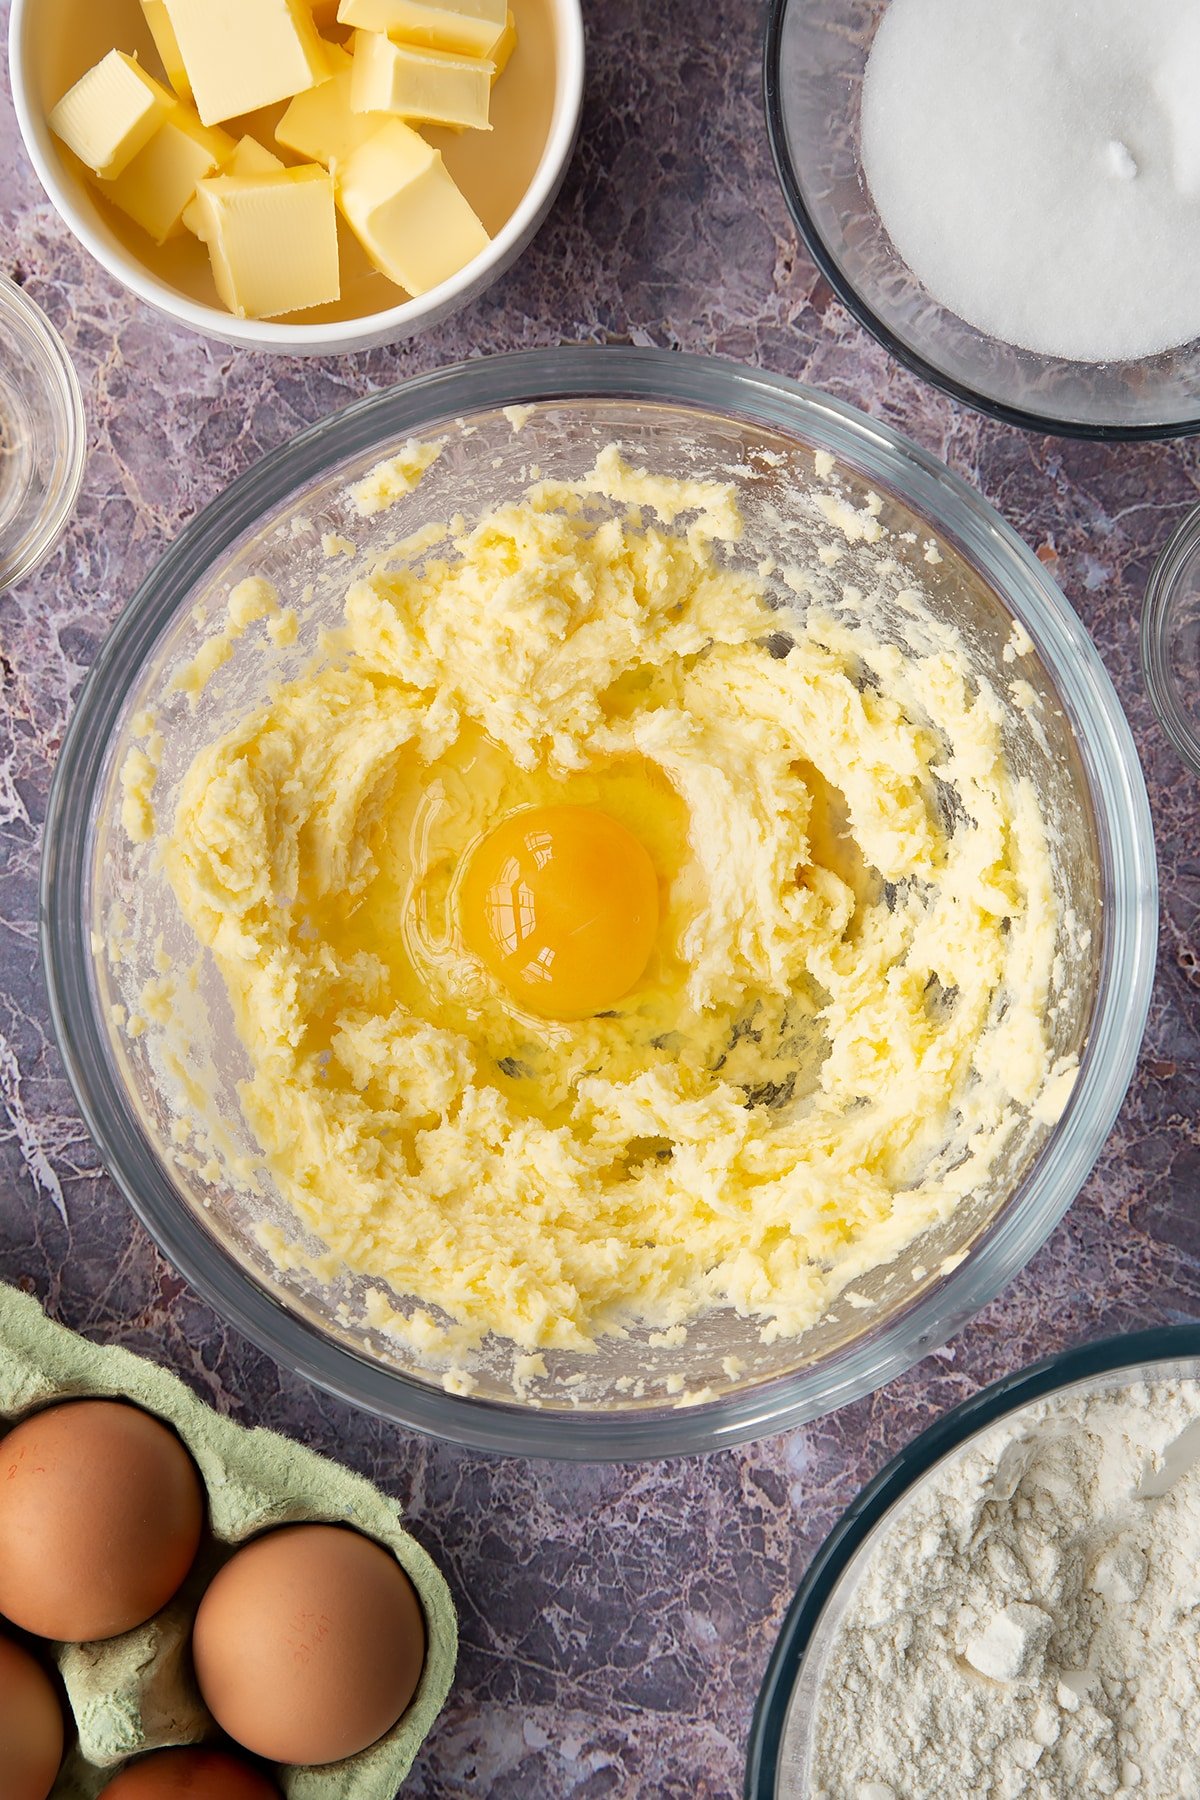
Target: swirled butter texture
{"points": [[841, 1020]]}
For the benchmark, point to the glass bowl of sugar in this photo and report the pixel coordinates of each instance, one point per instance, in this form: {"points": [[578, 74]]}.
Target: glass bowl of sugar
{"points": [[1008, 198]]}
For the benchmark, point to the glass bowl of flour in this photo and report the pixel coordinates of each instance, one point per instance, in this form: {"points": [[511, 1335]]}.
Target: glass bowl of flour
{"points": [[1007, 197], [1004, 1610]]}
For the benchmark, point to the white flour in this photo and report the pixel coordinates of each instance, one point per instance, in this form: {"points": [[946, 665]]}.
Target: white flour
{"points": [[1037, 166], [1030, 1624]]}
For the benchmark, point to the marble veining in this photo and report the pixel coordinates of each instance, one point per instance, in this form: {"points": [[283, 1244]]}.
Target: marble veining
{"points": [[617, 1621]]}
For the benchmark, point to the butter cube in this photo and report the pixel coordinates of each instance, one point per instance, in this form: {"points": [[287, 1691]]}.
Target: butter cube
{"points": [[249, 158], [322, 125], [416, 83], [158, 184], [252, 158], [501, 52], [338, 59], [403, 205], [243, 54], [111, 113], [167, 45], [468, 27], [272, 239]]}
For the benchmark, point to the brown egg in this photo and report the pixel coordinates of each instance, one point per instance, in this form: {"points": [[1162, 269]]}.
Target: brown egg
{"points": [[309, 1644], [31, 1726], [190, 1775], [100, 1516]]}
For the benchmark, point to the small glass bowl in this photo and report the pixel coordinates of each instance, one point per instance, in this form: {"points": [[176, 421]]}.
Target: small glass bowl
{"points": [[1171, 639], [815, 54], [42, 435], [781, 1735]]}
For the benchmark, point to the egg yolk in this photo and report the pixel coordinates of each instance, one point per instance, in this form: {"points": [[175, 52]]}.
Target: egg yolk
{"points": [[560, 903]]}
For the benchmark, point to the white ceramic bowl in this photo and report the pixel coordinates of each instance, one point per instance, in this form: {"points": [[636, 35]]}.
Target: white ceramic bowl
{"points": [[52, 43]]}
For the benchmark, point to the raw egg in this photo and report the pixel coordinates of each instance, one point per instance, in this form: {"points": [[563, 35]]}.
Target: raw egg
{"points": [[309, 1644], [560, 903], [31, 1726], [190, 1775], [100, 1516]]}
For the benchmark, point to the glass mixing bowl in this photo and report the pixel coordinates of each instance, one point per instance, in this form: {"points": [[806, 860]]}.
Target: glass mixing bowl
{"points": [[1170, 639], [782, 1735], [43, 436], [815, 55], [681, 415]]}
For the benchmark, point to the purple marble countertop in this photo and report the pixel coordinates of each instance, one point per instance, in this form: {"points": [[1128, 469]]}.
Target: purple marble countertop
{"points": [[616, 1621]]}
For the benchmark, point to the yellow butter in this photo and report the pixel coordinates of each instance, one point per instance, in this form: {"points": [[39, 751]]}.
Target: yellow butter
{"points": [[321, 125], [243, 54], [160, 181], [249, 158], [604, 643], [416, 83], [272, 239], [403, 205], [167, 45], [252, 158], [501, 52], [111, 113], [470, 27]]}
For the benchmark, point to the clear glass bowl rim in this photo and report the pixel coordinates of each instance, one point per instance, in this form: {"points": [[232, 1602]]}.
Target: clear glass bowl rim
{"points": [[1156, 638], [44, 342], [1105, 743], [1126, 1354], [852, 300]]}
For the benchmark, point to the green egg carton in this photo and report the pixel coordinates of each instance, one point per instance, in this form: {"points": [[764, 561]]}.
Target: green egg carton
{"points": [[136, 1692]]}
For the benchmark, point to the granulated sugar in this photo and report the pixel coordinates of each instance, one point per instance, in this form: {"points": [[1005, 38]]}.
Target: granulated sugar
{"points": [[1028, 1624], [1037, 166]]}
